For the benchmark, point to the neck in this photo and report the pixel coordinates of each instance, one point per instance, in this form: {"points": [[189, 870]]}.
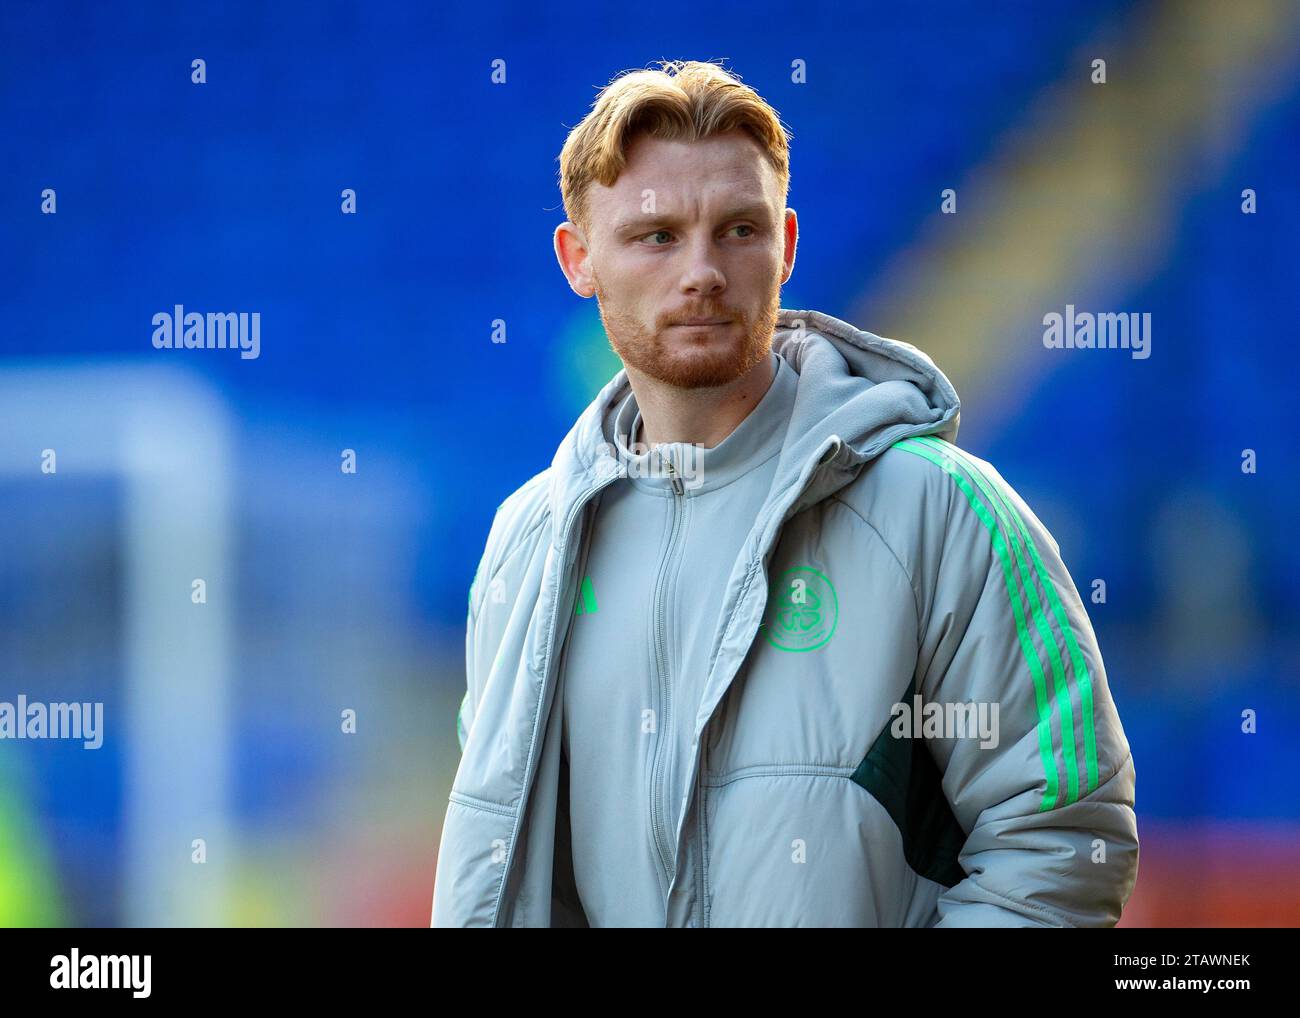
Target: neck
{"points": [[698, 416]]}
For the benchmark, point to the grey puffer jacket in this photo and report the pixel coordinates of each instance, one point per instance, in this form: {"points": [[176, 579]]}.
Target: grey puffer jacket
{"points": [[906, 719]]}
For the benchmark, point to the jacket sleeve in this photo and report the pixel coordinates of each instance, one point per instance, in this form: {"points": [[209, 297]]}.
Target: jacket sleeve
{"points": [[1047, 803], [465, 714], [469, 701], [515, 519]]}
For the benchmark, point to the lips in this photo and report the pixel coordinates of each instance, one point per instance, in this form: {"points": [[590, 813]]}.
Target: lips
{"points": [[708, 321]]}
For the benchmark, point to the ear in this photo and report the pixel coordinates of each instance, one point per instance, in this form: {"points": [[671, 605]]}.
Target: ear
{"points": [[574, 256], [791, 238]]}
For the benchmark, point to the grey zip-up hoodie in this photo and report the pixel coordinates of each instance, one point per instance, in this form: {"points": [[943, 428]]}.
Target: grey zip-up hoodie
{"points": [[905, 719], [633, 666]]}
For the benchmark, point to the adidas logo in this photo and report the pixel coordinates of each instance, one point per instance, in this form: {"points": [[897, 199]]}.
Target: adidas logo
{"points": [[586, 598]]}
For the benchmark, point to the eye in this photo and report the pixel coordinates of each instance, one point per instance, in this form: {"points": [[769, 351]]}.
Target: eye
{"points": [[656, 234], [744, 226]]}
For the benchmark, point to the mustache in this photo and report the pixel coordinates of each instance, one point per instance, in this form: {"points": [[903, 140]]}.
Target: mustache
{"points": [[696, 314]]}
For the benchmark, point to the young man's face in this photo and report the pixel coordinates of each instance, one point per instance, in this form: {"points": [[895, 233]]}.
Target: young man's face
{"points": [[689, 232]]}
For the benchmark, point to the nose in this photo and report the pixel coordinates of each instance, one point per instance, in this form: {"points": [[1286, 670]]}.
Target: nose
{"points": [[703, 276]]}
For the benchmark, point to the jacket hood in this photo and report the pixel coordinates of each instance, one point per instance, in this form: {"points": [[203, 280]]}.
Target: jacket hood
{"points": [[858, 393]]}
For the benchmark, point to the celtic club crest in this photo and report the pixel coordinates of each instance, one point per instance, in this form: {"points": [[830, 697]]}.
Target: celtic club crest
{"points": [[802, 610]]}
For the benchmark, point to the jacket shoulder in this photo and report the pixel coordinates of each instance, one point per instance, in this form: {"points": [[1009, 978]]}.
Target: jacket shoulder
{"points": [[519, 518], [916, 483], [931, 501], [528, 502], [903, 496], [977, 486], [951, 519]]}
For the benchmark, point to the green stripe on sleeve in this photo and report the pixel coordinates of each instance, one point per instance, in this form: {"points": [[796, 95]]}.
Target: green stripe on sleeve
{"points": [[1081, 675], [1063, 701], [1045, 750]]}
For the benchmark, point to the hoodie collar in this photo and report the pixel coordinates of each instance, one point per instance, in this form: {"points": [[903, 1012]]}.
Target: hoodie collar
{"points": [[856, 394], [754, 441]]}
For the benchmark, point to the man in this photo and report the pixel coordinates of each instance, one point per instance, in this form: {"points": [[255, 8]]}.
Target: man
{"points": [[762, 647]]}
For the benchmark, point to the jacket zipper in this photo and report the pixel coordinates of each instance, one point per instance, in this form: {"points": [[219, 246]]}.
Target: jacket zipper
{"points": [[663, 725], [561, 598], [701, 766], [550, 658]]}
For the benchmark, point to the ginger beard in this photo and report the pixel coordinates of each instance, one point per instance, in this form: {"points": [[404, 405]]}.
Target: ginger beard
{"points": [[686, 358]]}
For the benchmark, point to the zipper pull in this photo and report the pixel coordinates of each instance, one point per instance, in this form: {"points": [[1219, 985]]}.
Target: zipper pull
{"points": [[677, 481]]}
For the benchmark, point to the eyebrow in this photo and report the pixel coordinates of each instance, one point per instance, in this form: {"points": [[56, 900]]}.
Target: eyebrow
{"points": [[750, 210]]}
